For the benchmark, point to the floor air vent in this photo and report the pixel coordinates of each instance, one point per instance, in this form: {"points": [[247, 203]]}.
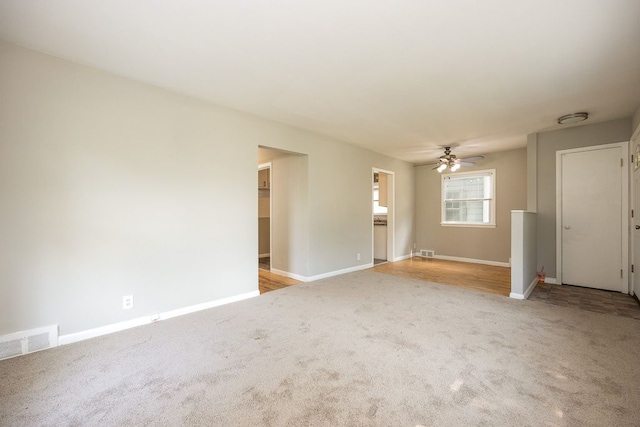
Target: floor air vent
{"points": [[426, 254], [24, 342]]}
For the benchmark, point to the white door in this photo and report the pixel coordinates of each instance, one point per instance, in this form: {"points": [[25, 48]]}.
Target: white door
{"points": [[592, 218]]}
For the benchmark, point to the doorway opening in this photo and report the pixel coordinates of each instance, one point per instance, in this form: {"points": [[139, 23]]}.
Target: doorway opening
{"points": [[383, 192], [283, 213], [264, 216]]}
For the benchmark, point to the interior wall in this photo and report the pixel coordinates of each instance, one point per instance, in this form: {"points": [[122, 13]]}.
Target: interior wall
{"points": [[290, 220], [547, 145], [635, 121], [488, 244], [110, 187]]}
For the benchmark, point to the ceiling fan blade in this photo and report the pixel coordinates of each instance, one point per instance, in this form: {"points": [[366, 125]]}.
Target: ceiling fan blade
{"points": [[472, 159], [438, 163], [466, 163]]}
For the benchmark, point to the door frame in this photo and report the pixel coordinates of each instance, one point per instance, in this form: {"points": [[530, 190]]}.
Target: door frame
{"points": [[625, 213], [263, 166], [634, 287], [391, 196]]}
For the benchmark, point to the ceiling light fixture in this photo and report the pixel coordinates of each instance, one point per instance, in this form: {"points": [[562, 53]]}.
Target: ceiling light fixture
{"points": [[573, 118], [452, 162]]}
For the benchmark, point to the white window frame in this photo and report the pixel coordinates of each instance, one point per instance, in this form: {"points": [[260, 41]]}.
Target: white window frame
{"points": [[492, 200], [377, 209]]}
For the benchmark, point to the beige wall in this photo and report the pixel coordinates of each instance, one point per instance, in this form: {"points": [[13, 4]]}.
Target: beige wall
{"points": [[635, 121], [110, 187], [547, 145], [290, 224], [489, 244]]}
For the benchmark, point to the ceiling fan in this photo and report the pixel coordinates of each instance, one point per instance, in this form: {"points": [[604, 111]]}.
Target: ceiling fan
{"points": [[452, 162]]}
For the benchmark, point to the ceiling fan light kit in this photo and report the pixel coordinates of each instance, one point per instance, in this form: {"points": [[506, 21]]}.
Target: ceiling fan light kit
{"points": [[568, 119], [451, 161]]}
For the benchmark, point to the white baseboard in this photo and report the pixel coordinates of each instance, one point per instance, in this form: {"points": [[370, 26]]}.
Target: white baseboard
{"points": [[527, 292], [264, 255], [323, 275], [472, 260], [289, 275], [121, 326], [551, 280], [339, 272], [403, 257]]}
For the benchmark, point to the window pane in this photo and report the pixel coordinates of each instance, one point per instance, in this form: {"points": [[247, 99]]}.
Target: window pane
{"points": [[474, 187], [468, 198], [476, 211]]}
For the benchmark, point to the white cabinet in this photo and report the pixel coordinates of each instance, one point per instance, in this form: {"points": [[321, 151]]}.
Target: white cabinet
{"points": [[380, 242], [383, 190], [264, 179]]}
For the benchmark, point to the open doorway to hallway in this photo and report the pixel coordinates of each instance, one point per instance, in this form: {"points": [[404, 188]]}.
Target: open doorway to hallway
{"points": [[383, 209], [264, 216], [282, 213]]}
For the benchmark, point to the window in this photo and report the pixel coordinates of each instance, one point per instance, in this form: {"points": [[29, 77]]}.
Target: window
{"points": [[377, 209], [468, 199]]}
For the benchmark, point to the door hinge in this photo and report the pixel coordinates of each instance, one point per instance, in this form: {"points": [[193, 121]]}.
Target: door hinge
{"points": [[621, 273], [621, 162], [633, 269], [631, 213]]}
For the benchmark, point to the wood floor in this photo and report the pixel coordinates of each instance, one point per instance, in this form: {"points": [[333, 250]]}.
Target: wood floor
{"points": [[268, 281], [480, 277], [486, 278]]}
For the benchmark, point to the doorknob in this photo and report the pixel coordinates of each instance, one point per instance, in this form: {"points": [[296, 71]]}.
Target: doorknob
{"points": [[566, 227], [637, 227]]}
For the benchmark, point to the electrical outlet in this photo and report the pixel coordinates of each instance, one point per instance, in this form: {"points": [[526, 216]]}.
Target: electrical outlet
{"points": [[358, 257], [415, 245], [127, 302]]}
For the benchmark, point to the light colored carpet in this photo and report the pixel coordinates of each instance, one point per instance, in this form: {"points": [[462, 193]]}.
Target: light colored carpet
{"points": [[359, 349]]}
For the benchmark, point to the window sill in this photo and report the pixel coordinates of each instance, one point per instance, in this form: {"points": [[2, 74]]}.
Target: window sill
{"points": [[461, 224]]}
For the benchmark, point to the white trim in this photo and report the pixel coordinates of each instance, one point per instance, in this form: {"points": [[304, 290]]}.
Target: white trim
{"points": [[403, 257], [466, 225], [289, 275], [550, 280], [127, 324], [264, 255], [625, 178], [473, 261], [322, 275], [339, 272], [527, 292], [492, 213], [633, 144]]}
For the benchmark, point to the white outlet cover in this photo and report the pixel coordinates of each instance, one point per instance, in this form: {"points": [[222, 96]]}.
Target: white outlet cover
{"points": [[127, 302]]}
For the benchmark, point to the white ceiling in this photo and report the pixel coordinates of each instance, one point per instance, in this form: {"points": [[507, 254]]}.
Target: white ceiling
{"points": [[401, 77]]}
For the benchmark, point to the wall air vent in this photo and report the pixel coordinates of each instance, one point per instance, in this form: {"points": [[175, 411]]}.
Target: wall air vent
{"points": [[427, 254], [19, 343]]}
